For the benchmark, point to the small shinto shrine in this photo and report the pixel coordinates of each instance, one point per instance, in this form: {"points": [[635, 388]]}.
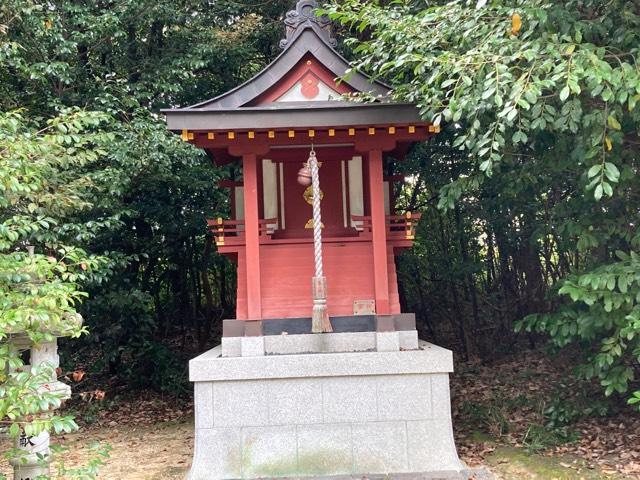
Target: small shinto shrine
{"points": [[275, 399]]}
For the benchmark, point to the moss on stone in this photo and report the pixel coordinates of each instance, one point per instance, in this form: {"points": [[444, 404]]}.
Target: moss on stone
{"points": [[322, 462], [317, 462]]}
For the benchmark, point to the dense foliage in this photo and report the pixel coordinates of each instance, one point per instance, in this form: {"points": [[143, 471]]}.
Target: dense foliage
{"points": [[150, 193], [41, 180], [112, 205], [537, 179], [530, 194]]}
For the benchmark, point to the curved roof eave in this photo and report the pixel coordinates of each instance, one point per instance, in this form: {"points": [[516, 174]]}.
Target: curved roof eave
{"points": [[299, 115], [305, 41]]}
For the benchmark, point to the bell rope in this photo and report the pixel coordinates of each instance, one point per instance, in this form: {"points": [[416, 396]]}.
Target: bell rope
{"points": [[320, 322]]}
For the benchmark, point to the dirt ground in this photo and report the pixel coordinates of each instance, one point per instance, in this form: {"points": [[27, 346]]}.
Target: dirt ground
{"points": [[144, 452], [163, 452], [501, 419]]}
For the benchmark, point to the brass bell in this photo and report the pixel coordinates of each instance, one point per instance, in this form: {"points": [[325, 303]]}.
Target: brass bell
{"points": [[304, 175]]}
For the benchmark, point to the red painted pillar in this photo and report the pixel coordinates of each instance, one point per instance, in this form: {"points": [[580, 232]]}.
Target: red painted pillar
{"points": [[379, 232], [252, 235]]}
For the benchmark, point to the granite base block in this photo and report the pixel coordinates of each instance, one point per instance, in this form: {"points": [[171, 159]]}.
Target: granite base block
{"points": [[324, 415], [345, 342]]}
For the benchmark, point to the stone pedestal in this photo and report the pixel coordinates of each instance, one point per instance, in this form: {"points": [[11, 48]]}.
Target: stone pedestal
{"points": [[323, 414]]}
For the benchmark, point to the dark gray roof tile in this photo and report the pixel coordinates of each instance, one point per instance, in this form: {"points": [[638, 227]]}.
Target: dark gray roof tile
{"points": [[304, 36], [305, 42], [293, 115]]}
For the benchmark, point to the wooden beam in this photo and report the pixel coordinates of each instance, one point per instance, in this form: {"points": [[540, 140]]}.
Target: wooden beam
{"points": [[300, 154], [399, 133]]}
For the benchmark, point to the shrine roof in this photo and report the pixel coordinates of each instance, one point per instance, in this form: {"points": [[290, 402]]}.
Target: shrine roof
{"points": [[298, 114], [275, 97], [306, 42]]}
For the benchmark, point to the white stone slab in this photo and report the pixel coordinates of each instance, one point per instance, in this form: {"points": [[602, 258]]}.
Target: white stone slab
{"points": [[354, 414], [295, 402], [431, 446], [252, 346], [210, 366], [380, 447], [217, 454], [239, 404], [325, 343], [349, 399], [325, 449], [440, 396], [269, 451], [231, 346], [387, 341], [203, 404], [408, 339], [405, 397]]}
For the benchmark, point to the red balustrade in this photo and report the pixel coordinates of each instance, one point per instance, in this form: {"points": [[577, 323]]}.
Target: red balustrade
{"points": [[399, 227], [231, 232]]}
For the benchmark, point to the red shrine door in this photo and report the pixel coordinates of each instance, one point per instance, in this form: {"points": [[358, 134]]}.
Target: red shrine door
{"points": [[297, 200]]}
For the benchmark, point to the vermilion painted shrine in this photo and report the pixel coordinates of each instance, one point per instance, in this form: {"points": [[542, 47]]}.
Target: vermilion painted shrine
{"points": [[268, 124], [274, 399]]}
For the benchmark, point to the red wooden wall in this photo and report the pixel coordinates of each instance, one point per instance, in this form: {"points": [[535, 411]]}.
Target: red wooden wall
{"points": [[286, 271]]}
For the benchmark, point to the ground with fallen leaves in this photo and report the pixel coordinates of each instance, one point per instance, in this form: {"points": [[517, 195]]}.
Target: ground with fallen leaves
{"points": [[524, 417], [501, 416]]}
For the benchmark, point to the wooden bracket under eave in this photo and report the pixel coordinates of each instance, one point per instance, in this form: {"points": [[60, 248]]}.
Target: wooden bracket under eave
{"points": [[186, 135]]}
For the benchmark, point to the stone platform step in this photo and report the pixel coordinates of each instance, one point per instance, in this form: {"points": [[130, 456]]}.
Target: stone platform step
{"points": [[470, 474], [333, 415], [319, 343]]}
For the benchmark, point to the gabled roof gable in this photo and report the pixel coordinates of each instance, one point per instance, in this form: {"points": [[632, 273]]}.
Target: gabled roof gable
{"points": [[303, 40], [308, 72], [292, 94]]}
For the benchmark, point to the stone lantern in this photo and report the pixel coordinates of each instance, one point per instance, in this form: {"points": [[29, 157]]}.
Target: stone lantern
{"points": [[33, 454]]}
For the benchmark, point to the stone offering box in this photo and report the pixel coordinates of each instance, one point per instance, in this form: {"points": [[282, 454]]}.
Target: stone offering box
{"points": [[279, 404]]}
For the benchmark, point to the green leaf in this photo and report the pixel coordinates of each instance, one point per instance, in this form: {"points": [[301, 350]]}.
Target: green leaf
{"points": [[622, 284], [595, 170], [488, 93], [613, 123], [597, 194], [611, 172]]}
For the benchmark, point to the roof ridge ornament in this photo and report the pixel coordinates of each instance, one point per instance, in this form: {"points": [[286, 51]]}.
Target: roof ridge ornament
{"points": [[303, 17]]}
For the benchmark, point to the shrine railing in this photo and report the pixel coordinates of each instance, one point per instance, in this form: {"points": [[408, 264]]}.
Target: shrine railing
{"points": [[232, 231], [399, 227]]}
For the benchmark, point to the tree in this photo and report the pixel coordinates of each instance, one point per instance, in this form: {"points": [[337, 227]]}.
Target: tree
{"points": [[40, 275], [151, 193], [110, 202], [541, 99]]}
